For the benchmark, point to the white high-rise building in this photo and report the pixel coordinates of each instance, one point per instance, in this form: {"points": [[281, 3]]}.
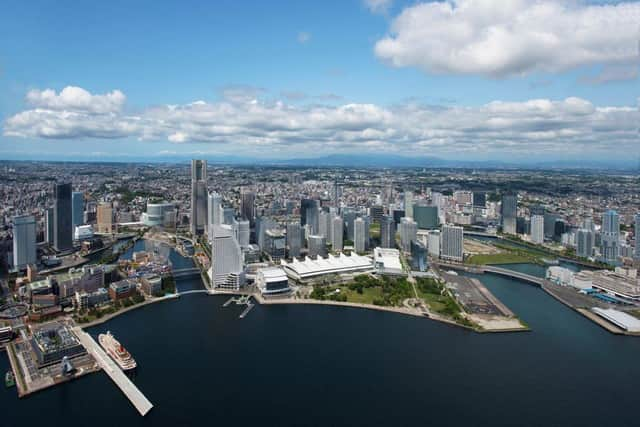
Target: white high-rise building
{"points": [[227, 269], [324, 225], [636, 232], [337, 232], [198, 196], [317, 246], [24, 241], [610, 232], [408, 203], [537, 229], [244, 232], [433, 243], [452, 242], [359, 235], [408, 233], [214, 211]]}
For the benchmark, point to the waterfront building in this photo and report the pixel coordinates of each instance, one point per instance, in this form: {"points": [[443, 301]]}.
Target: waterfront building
{"points": [[617, 283], [77, 209], [198, 197], [387, 261], [610, 234], [387, 232], [54, 341], [272, 281], [294, 239], [247, 205], [537, 229], [159, 215], [104, 214], [408, 233], [337, 233], [408, 203], [585, 240], [317, 246], [317, 267], [426, 216], [509, 212], [359, 235], [452, 243], [309, 214], [63, 231], [24, 241], [227, 269]]}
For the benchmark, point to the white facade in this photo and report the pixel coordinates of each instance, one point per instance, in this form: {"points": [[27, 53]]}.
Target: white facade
{"points": [[83, 232], [272, 281], [408, 233], [452, 243], [433, 243], [341, 264], [227, 263], [214, 210], [359, 235], [244, 231], [387, 260], [337, 232], [408, 204], [537, 229], [560, 275]]}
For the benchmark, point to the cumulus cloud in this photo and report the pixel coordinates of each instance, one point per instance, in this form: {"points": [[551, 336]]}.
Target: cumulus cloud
{"points": [[73, 98], [254, 125], [378, 6], [505, 38]]}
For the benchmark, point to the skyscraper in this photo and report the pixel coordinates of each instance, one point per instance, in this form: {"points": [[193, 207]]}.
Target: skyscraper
{"points": [[105, 218], [227, 270], [309, 214], [433, 243], [337, 233], [636, 232], [77, 212], [294, 239], [509, 212], [452, 242], [24, 241], [49, 226], [198, 196], [479, 199], [585, 240], [408, 233], [426, 216], [244, 232], [214, 214], [62, 228], [537, 229], [408, 203], [387, 232], [247, 205], [610, 237], [317, 246], [359, 235], [324, 225]]}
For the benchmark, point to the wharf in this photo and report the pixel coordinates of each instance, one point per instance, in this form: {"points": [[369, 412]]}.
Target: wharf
{"points": [[132, 392]]}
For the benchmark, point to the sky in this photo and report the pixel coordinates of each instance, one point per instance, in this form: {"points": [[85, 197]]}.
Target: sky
{"points": [[522, 80]]}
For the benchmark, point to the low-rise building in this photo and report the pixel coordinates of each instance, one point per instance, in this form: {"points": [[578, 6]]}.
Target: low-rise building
{"points": [[272, 281], [387, 260], [339, 264], [122, 289]]}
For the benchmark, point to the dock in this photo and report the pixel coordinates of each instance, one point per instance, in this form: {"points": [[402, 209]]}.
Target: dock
{"points": [[130, 390]]}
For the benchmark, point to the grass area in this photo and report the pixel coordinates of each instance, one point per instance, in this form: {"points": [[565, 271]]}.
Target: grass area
{"points": [[501, 258], [383, 291], [439, 300]]}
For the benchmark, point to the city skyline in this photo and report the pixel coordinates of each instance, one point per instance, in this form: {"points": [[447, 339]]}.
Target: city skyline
{"points": [[302, 82]]}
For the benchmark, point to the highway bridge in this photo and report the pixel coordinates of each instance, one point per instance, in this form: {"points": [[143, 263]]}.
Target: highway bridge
{"points": [[481, 269], [185, 272]]}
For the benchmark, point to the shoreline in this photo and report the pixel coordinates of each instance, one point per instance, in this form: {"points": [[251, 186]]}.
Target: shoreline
{"points": [[125, 310]]}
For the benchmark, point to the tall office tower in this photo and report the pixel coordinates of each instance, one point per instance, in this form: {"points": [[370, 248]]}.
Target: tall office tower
{"points": [[637, 236], [376, 212], [317, 246], [324, 224], [244, 232], [387, 232], [309, 214], [509, 212], [247, 205], [426, 216], [418, 256], [62, 229], [587, 223], [452, 242], [433, 243], [537, 229], [408, 203], [275, 244], [294, 239], [77, 212], [550, 224], [408, 233], [585, 240], [227, 270], [198, 197], [610, 232], [337, 233], [105, 218], [49, 225], [228, 214], [479, 199], [24, 241], [359, 235], [214, 214], [349, 216], [337, 193], [262, 225]]}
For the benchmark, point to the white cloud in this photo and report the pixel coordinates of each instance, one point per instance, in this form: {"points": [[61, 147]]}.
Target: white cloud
{"points": [[378, 6], [304, 37], [73, 98], [505, 38], [255, 126]]}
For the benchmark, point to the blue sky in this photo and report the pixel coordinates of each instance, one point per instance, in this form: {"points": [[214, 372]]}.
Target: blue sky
{"points": [[303, 62]]}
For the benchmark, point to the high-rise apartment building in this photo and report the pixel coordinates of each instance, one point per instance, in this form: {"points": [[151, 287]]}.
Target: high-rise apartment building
{"points": [[337, 233], [62, 229], [509, 212], [537, 229], [408, 203], [408, 233], [105, 218], [198, 197], [227, 269], [610, 233], [452, 242], [294, 239], [359, 235], [585, 240], [387, 232]]}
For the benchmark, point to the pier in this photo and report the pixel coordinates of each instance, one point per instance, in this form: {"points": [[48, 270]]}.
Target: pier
{"points": [[130, 390], [241, 300]]}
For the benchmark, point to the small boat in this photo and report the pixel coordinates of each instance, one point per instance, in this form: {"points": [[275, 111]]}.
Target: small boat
{"points": [[9, 379]]}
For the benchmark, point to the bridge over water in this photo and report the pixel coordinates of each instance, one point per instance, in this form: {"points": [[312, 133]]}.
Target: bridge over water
{"points": [[481, 269]]}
